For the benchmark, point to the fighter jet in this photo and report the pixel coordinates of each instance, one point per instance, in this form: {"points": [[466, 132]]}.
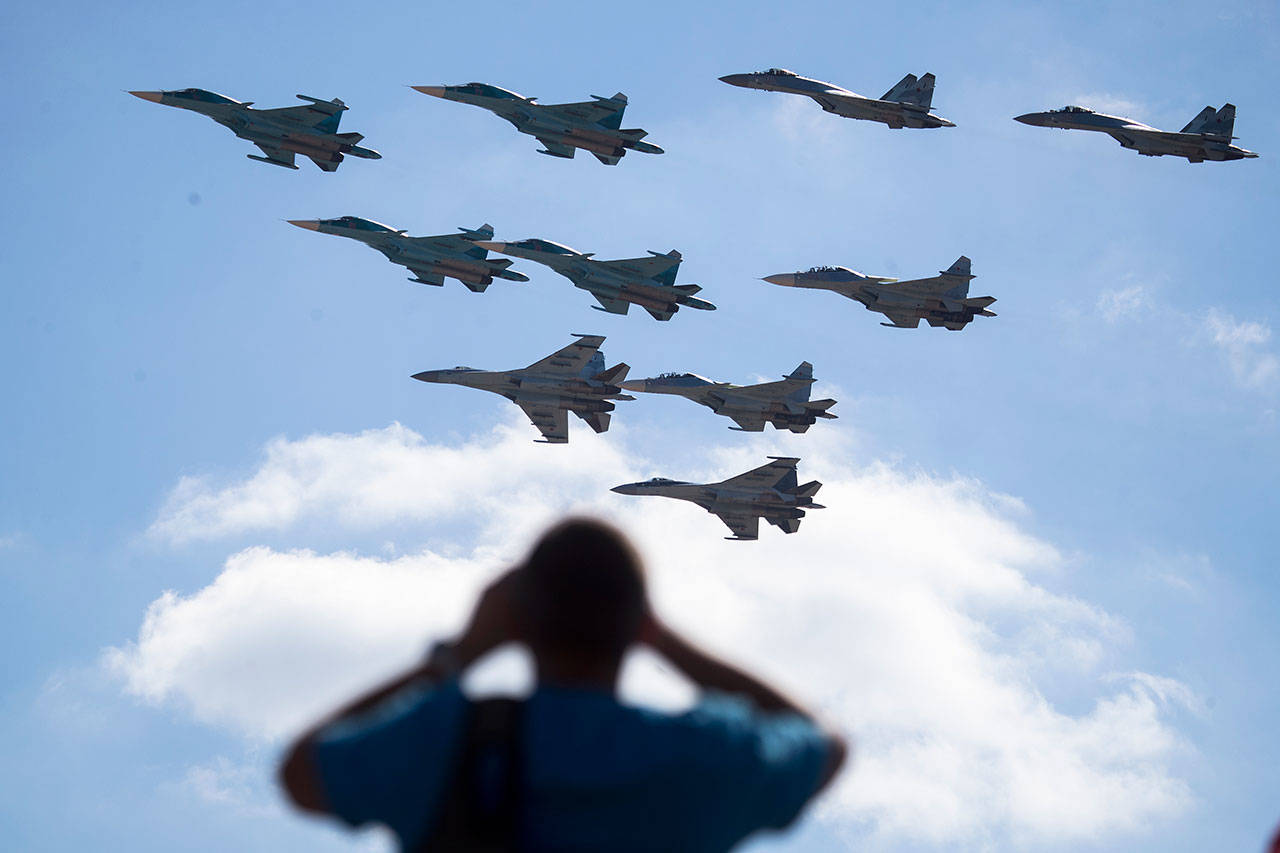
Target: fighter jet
{"points": [[573, 379], [310, 130], [784, 404], [648, 282], [769, 492], [905, 105], [942, 300], [594, 125], [1206, 137], [430, 259]]}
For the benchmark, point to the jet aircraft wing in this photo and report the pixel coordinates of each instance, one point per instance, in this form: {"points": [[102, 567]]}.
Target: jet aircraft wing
{"points": [[748, 422], [606, 112], [320, 115], [742, 526], [776, 474], [571, 360], [278, 156], [553, 423], [427, 275], [659, 268]]}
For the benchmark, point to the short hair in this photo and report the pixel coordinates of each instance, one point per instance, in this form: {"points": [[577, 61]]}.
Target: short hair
{"points": [[584, 588]]}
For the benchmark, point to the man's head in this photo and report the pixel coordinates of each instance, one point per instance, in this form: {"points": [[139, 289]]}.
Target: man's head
{"points": [[584, 593]]}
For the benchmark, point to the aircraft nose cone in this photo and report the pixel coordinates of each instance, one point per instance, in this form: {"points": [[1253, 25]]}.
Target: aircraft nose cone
{"points": [[634, 385], [148, 96], [433, 91], [734, 79], [787, 279], [427, 376], [1035, 119], [309, 224], [626, 489], [491, 245]]}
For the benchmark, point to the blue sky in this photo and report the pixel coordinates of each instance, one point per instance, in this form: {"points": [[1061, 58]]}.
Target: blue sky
{"points": [[1114, 432]]}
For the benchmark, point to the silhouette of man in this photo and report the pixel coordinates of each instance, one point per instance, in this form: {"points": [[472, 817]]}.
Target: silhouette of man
{"points": [[570, 767]]}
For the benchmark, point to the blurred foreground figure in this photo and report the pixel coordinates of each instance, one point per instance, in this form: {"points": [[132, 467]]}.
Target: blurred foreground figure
{"points": [[570, 767]]}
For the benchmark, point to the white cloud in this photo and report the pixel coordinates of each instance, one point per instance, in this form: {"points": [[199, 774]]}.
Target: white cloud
{"points": [[1244, 343], [1124, 303], [909, 610]]}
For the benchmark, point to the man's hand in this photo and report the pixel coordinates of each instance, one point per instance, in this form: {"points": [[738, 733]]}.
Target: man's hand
{"points": [[495, 621]]}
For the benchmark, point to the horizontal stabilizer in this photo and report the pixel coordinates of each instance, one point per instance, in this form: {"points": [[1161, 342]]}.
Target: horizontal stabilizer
{"points": [[822, 406], [500, 262], [979, 301], [634, 133], [614, 375], [476, 286], [687, 288], [352, 138], [787, 525], [598, 421], [808, 490]]}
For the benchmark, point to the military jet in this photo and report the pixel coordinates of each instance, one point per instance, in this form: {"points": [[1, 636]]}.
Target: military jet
{"points": [[770, 492], [617, 285], [430, 259], [594, 125], [310, 130], [784, 404], [942, 300], [1205, 137], [905, 105], [573, 379]]}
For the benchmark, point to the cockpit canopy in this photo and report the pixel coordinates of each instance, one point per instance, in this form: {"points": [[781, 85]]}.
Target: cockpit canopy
{"points": [[828, 269], [361, 224], [486, 91], [779, 72], [685, 378], [204, 96], [662, 481], [1072, 110], [536, 245]]}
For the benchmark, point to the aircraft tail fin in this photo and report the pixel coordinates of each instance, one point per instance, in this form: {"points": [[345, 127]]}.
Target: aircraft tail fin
{"points": [[963, 266], [617, 106], [1223, 123], [802, 373], [1195, 125], [331, 113], [614, 375], [917, 91]]}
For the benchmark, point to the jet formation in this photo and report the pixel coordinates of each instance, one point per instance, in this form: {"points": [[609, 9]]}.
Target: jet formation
{"points": [[905, 105], [771, 492], [573, 379], [430, 259], [942, 300], [617, 285], [784, 404], [310, 130], [1205, 137], [594, 126]]}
